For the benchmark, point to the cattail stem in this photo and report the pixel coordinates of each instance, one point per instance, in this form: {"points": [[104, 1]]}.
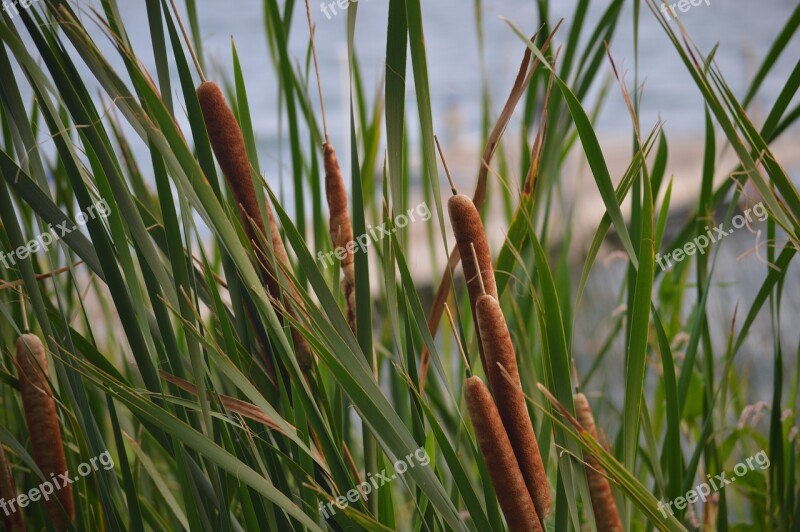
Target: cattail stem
{"points": [[316, 71], [188, 42], [25, 325], [458, 341], [42, 419], [495, 447], [504, 378], [446, 168], [294, 303], [480, 275], [478, 270], [605, 509]]}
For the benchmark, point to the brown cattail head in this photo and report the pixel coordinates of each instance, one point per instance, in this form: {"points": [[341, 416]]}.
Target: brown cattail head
{"points": [[468, 230], [509, 486], [511, 400], [340, 228], [228, 145], [12, 521], [605, 509], [42, 420], [227, 142]]}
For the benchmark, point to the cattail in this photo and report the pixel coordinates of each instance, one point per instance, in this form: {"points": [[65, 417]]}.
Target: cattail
{"points": [[509, 486], [12, 521], [296, 305], [468, 229], [42, 420], [340, 228], [510, 399], [605, 509], [228, 145]]}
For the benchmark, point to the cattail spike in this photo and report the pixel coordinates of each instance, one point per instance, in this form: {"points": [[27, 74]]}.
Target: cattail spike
{"points": [[605, 509], [478, 271], [504, 378], [41, 416], [228, 144], [341, 229], [495, 447]]}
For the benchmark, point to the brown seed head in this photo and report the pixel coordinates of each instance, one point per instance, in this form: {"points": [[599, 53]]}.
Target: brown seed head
{"points": [[468, 231], [42, 419], [228, 145], [510, 399], [501, 463], [341, 229], [605, 509], [227, 142]]}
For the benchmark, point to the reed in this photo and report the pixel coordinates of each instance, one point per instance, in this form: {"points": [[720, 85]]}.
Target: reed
{"points": [[605, 509], [501, 462], [110, 292], [41, 418]]}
